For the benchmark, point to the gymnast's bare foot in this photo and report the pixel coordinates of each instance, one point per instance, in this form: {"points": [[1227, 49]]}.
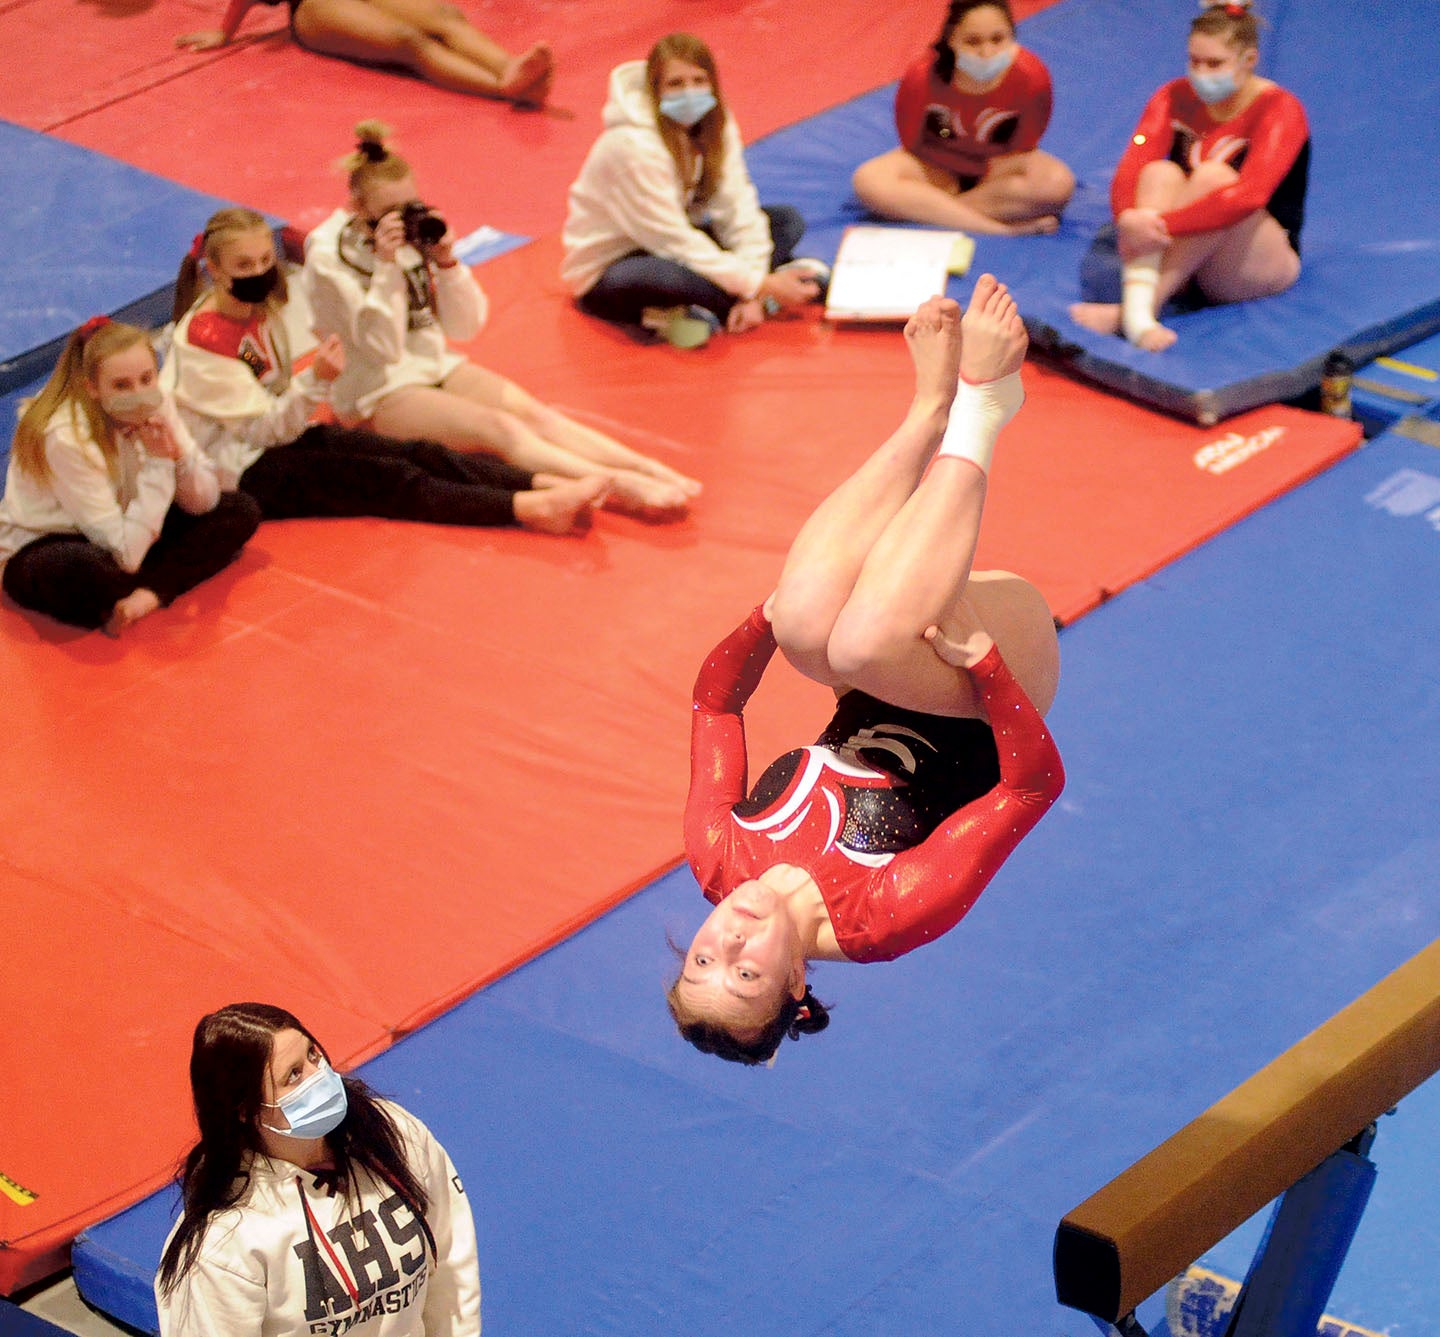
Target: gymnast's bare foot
{"points": [[1097, 317], [129, 610], [566, 506], [933, 336], [527, 78], [1043, 226], [691, 487], [993, 338], [644, 498], [1156, 339]]}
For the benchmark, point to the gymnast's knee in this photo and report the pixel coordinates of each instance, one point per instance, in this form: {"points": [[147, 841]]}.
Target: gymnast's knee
{"points": [[864, 642]]}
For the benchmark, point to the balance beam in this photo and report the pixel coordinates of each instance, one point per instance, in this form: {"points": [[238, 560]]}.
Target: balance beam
{"points": [[1152, 1221]]}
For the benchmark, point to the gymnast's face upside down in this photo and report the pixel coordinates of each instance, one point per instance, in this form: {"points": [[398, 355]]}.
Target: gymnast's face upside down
{"points": [[742, 963]]}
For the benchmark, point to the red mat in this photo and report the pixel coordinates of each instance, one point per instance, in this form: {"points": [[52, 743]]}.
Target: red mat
{"points": [[376, 765], [261, 123]]}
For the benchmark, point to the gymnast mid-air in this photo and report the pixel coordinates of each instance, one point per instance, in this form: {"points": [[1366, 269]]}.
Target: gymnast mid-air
{"points": [[879, 837]]}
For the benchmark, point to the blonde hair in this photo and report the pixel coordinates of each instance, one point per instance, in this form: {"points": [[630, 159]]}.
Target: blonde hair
{"points": [[370, 160], [189, 284], [707, 136], [69, 383], [1231, 21]]}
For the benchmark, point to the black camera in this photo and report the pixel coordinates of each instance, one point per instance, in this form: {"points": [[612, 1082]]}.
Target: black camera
{"points": [[423, 226]]}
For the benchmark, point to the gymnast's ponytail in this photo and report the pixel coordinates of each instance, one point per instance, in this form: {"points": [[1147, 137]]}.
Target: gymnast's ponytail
{"points": [[796, 1017], [371, 158], [944, 66]]}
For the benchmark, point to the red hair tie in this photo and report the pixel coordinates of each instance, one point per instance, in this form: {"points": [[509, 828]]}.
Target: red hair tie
{"points": [[197, 247], [91, 325], [1236, 11]]}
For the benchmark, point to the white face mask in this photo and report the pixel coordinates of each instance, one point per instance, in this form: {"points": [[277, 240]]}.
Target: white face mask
{"points": [[133, 405], [688, 108], [314, 1108], [982, 70]]}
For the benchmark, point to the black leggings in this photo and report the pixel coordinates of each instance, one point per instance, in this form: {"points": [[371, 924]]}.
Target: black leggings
{"points": [[335, 471], [73, 580]]}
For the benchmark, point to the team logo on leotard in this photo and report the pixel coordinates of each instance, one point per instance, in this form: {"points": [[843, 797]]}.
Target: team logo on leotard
{"points": [[1188, 148], [821, 788], [993, 125]]}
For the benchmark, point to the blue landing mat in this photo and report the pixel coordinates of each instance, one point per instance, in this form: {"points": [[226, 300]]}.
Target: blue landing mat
{"points": [[1247, 842], [87, 235], [1371, 281]]}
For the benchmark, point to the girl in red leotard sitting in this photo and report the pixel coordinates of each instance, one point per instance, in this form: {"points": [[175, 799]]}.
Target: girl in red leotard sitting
{"points": [[937, 762], [1211, 187], [970, 113]]}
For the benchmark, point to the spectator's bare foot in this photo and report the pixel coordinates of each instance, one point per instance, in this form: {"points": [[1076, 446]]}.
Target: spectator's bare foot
{"points": [[527, 79], [1034, 227], [933, 336], [129, 610], [565, 507], [644, 498], [1097, 317], [993, 338]]}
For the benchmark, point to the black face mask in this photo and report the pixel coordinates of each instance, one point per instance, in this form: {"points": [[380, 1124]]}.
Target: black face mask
{"points": [[255, 287]]}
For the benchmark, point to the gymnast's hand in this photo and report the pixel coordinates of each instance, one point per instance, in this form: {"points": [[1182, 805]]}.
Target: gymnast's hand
{"points": [[206, 40], [962, 642], [158, 440], [1141, 232], [329, 358]]}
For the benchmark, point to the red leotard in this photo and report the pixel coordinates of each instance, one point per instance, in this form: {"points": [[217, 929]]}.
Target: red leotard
{"points": [[1268, 144], [881, 905], [250, 341], [960, 132]]}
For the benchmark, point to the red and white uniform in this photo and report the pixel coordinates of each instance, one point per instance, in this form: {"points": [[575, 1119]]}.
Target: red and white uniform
{"points": [[960, 132], [881, 904], [1268, 144]]}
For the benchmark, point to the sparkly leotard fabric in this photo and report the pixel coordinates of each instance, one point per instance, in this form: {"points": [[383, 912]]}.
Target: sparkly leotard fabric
{"points": [[902, 819]]}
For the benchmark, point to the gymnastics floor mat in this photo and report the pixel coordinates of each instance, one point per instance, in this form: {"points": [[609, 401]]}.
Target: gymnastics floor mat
{"points": [[1371, 281], [1404, 385], [383, 724], [89, 236], [262, 122], [1246, 843]]}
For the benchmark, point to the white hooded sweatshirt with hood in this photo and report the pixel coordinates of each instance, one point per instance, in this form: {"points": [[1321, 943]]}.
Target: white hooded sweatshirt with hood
{"points": [[630, 197]]}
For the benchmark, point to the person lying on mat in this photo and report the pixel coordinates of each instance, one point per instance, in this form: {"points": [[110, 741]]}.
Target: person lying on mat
{"points": [[110, 511], [1210, 191], [971, 112], [310, 1204], [664, 228], [429, 38], [383, 276], [230, 370], [877, 839]]}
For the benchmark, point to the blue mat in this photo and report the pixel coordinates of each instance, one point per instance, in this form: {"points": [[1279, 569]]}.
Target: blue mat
{"points": [[15, 1322], [1371, 281], [87, 235], [1246, 843]]}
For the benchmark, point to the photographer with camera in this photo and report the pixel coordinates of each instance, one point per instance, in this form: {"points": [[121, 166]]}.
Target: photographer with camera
{"points": [[383, 276]]}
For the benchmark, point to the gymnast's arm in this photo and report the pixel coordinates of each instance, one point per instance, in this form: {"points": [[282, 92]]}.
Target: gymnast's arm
{"points": [[1149, 142], [1274, 145], [718, 764], [932, 887]]}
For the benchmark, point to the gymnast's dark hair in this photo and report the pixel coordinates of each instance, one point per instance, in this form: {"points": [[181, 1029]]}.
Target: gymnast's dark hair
{"points": [[944, 53], [796, 1017], [227, 1075]]}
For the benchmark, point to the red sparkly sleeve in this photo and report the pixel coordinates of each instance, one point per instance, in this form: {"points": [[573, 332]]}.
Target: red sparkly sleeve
{"points": [[1149, 142], [718, 764], [1278, 136], [911, 99], [930, 888], [1034, 104]]}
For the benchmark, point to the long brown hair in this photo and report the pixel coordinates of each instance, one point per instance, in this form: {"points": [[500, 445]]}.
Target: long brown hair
{"points": [[225, 223], [69, 383], [227, 1079], [707, 136]]}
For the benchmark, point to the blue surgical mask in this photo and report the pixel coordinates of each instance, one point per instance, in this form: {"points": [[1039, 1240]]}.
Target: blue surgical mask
{"points": [[314, 1108], [982, 70], [1213, 88], [688, 108]]}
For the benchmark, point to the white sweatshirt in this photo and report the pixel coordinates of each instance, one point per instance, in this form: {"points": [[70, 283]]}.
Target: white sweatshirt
{"points": [[381, 310], [232, 416], [81, 496], [262, 1273], [630, 197]]}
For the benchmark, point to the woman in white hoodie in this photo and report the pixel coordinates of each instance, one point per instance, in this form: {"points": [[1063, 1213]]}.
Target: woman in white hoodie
{"points": [[664, 223], [310, 1205], [383, 276]]}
